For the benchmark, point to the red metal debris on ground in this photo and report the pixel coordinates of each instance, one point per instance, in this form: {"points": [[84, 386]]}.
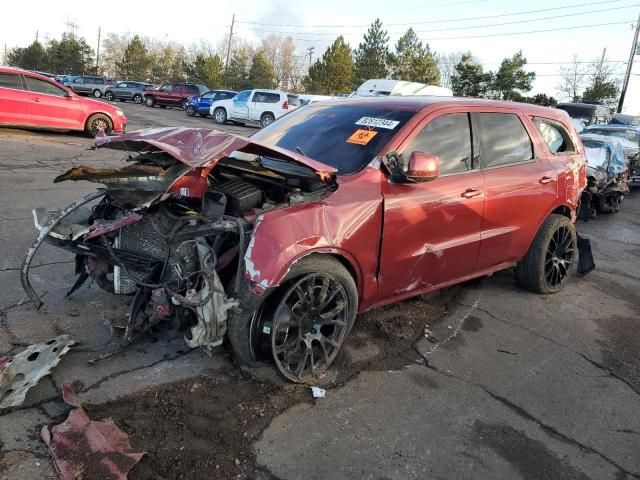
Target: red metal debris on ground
{"points": [[85, 449]]}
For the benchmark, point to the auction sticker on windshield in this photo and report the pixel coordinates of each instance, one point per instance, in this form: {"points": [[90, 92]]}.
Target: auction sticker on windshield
{"points": [[361, 137], [378, 122]]}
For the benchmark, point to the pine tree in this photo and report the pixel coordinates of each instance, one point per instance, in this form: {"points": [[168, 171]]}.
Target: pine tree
{"points": [[414, 62], [135, 62], [469, 79], [261, 73], [235, 75], [333, 73], [70, 56], [206, 69], [33, 57], [511, 78], [601, 91], [372, 55]]}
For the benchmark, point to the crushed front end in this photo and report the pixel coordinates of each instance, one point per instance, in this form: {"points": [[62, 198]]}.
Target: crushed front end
{"points": [[172, 226]]}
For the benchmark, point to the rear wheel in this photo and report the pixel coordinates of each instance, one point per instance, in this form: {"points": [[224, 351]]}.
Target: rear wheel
{"points": [[267, 119], [97, 122], [303, 324], [97, 93], [220, 116], [550, 260], [108, 95], [137, 98], [149, 101]]}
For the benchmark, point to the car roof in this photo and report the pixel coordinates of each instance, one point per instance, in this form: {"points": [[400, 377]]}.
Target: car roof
{"points": [[613, 126], [417, 103], [24, 72]]}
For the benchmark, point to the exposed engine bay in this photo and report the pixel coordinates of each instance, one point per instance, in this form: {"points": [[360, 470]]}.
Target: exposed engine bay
{"points": [[173, 235]]}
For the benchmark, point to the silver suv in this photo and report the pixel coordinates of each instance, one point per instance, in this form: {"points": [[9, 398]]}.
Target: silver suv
{"points": [[89, 85]]}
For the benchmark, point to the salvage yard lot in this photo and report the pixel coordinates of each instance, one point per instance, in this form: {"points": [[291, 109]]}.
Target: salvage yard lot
{"points": [[481, 381]]}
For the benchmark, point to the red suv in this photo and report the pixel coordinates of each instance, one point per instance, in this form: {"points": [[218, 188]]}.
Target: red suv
{"points": [[280, 239], [31, 100], [173, 94]]}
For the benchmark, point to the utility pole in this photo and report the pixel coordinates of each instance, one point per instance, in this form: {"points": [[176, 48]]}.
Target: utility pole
{"points": [[625, 84], [310, 53], [233, 20], [599, 70], [98, 51], [37, 31]]}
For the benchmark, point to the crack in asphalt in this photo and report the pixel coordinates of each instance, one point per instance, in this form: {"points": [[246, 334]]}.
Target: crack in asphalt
{"points": [[522, 412], [141, 367], [562, 345]]}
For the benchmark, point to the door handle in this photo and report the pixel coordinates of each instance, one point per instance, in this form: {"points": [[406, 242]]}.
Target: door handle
{"points": [[544, 180], [470, 193], [36, 100]]}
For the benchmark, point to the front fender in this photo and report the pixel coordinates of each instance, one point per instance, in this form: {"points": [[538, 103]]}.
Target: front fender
{"points": [[346, 223]]}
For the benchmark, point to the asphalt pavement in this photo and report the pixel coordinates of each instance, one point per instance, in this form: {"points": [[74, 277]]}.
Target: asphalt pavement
{"points": [[505, 385]]}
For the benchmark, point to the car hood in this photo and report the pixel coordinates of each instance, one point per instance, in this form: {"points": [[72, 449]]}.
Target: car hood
{"points": [[98, 104], [202, 147]]}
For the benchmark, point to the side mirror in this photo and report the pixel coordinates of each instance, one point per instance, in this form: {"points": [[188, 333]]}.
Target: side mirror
{"points": [[423, 167]]}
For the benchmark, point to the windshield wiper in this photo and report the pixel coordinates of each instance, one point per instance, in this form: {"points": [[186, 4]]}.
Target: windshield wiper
{"points": [[299, 150]]}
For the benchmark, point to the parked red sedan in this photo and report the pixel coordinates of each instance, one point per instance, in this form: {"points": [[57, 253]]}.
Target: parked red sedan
{"points": [[31, 100], [278, 240]]}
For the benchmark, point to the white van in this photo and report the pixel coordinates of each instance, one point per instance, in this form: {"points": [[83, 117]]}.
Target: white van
{"points": [[387, 87]]}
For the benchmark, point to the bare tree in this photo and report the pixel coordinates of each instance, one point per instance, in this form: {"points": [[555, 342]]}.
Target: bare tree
{"points": [[574, 77], [447, 63], [113, 49], [280, 52]]}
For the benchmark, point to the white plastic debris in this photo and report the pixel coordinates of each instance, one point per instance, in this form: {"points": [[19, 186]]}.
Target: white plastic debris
{"points": [[318, 392]]}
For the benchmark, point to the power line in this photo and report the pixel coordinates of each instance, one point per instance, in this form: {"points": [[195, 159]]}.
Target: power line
{"points": [[464, 27], [502, 34], [500, 15], [433, 5]]}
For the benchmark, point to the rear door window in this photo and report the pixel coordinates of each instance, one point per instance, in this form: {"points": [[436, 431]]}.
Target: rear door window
{"points": [[555, 136], [192, 89], [448, 137], [177, 88], [503, 140], [10, 80], [40, 86]]}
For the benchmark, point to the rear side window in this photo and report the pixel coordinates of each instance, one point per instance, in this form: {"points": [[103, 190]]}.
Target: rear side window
{"points": [[40, 86], [293, 100], [177, 88], [555, 136], [192, 89], [10, 80], [448, 137], [503, 140], [266, 97]]}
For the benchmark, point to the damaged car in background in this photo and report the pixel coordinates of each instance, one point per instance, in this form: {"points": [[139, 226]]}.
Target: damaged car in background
{"points": [[608, 173], [277, 241], [629, 135]]}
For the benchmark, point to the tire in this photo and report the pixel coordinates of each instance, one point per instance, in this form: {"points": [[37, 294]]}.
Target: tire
{"points": [[552, 257], [108, 95], [220, 116], [253, 330], [97, 93], [149, 101], [95, 121], [267, 119], [190, 110], [137, 99]]}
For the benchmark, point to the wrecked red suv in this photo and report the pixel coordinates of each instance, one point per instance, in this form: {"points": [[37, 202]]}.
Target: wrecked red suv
{"points": [[279, 240]]}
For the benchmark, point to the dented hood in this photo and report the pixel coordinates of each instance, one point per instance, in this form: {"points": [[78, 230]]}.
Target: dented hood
{"points": [[202, 147]]}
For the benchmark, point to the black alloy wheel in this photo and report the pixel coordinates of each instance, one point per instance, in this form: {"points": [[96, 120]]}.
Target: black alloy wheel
{"points": [[309, 326]]}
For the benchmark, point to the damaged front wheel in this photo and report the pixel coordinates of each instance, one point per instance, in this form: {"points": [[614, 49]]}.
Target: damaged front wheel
{"points": [[302, 325]]}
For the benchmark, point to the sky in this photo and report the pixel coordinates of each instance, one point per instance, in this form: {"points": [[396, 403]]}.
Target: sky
{"points": [[447, 25]]}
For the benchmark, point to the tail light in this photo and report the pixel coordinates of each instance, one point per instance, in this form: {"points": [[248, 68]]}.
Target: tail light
{"points": [[285, 105]]}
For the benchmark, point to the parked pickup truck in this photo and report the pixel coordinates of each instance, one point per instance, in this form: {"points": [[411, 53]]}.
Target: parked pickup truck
{"points": [[172, 94], [254, 106]]}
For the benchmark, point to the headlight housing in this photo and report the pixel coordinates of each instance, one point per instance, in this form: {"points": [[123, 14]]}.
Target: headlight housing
{"points": [[120, 113]]}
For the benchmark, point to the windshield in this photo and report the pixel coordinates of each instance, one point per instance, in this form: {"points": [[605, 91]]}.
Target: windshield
{"points": [[346, 137]]}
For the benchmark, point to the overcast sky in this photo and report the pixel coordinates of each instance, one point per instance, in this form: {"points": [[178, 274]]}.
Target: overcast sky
{"points": [[447, 25]]}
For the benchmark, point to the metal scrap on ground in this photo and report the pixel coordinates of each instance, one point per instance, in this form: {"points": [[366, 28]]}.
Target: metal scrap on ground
{"points": [[84, 448], [24, 370]]}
